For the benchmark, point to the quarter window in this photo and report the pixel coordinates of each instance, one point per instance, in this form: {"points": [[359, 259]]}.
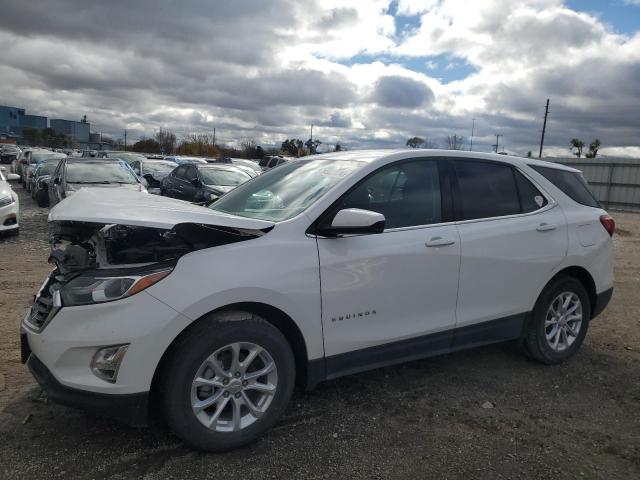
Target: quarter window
{"points": [[530, 197], [486, 190], [571, 183], [407, 194]]}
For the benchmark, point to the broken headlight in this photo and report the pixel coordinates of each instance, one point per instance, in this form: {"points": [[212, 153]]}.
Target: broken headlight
{"points": [[91, 288]]}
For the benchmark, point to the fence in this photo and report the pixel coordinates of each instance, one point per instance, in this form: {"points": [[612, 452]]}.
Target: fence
{"points": [[614, 181]]}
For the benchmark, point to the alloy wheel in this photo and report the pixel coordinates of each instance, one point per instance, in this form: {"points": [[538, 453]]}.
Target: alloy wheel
{"points": [[563, 321], [234, 387]]}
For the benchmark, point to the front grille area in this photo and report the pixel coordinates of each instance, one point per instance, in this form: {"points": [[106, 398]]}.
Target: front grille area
{"points": [[43, 308]]}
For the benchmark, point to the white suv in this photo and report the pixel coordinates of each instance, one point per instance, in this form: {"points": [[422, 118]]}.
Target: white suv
{"points": [[322, 267]]}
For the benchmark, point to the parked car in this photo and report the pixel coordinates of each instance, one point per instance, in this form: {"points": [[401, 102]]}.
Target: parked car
{"points": [[242, 162], [319, 268], [180, 160], [268, 162], [71, 174], [202, 182], [9, 203], [38, 158], [30, 156], [9, 154], [128, 157], [238, 163], [153, 171], [39, 186]]}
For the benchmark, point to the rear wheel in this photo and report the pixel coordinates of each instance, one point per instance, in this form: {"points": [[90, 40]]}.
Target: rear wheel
{"points": [[228, 379], [42, 198], [559, 321]]}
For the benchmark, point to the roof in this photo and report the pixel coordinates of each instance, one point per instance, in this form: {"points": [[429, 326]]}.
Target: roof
{"points": [[371, 156]]}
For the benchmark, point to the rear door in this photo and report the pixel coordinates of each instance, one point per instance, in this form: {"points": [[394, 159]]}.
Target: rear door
{"points": [[512, 238]]}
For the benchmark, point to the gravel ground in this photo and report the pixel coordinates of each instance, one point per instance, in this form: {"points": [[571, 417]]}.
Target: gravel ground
{"points": [[423, 419]]}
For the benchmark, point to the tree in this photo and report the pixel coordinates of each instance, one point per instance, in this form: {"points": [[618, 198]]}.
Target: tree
{"points": [[529, 154], [593, 149], [293, 147], [337, 148], [578, 145], [415, 142], [312, 146], [198, 144], [166, 139], [146, 145], [454, 142]]}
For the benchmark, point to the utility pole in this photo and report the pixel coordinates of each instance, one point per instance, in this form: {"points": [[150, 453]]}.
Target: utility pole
{"points": [[125, 139], [498, 135], [544, 128], [214, 136], [312, 133], [473, 125]]}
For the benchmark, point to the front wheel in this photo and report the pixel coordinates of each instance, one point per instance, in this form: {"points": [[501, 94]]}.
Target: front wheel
{"points": [[559, 322], [228, 379]]}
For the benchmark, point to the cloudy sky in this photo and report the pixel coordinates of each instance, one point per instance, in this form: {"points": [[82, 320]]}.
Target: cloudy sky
{"points": [[367, 73]]}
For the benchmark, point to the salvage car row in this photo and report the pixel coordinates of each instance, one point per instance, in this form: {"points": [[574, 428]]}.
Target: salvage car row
{"points": [[52, 176]]}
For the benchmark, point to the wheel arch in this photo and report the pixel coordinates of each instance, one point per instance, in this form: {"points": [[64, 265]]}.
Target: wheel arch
{"points": [[308, 373], [583, 276]]}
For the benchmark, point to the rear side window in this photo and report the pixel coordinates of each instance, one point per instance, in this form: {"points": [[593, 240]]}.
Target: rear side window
{"points": [[571, 183], [530, 197], [486, 190]]}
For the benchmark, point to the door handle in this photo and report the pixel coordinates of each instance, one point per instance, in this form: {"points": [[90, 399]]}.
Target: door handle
{"points": [[545, 227], [439, 242]]}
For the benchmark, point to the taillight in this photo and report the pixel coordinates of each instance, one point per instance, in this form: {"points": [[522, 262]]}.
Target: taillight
{"points": [[608, 223]]}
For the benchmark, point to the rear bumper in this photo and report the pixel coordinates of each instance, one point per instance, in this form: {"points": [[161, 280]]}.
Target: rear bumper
{"points": [[132, 409], [602, 300]]}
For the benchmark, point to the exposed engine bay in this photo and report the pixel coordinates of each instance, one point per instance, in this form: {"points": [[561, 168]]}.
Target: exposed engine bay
{"points": [[78, 246]]}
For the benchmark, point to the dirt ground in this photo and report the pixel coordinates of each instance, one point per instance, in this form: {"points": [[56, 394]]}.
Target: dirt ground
{"points": [[424, 419]]}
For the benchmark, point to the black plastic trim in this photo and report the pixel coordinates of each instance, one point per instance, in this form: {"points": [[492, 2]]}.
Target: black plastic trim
{"points": [[132, 409], [485, 333], [602, 300]]}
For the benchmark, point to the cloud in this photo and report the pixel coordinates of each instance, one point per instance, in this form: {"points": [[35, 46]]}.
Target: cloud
{"points": [[401, 92], [270, 68]]}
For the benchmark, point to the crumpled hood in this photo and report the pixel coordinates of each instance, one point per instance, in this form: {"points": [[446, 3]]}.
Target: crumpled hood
{"points": [[125, 207]]}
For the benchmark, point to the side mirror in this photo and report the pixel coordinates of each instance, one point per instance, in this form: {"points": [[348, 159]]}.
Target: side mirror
{"points": [[13, 177], [351, 221]]}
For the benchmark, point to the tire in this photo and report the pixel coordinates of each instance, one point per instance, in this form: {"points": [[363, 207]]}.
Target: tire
{"points": [[216, 334], [543, 339], [42, 198]]}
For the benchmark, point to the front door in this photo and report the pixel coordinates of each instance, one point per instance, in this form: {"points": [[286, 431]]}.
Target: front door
{"points": [[391, 296]]}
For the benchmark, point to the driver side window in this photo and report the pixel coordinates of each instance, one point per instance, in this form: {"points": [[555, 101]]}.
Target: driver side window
{"points": [[407, 194]]}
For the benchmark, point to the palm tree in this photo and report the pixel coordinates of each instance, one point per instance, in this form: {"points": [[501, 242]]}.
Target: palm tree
{"points": [[578, 145], [593, 149]]}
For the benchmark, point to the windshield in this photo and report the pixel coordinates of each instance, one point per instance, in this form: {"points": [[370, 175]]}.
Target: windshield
{"points": [[127, 157], [39, 157], [99, 173], [158, 167], [47, 168], [224, 178], [284, 192]]}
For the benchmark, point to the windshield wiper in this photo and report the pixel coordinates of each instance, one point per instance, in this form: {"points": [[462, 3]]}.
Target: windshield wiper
{"points": [[102, 182]]}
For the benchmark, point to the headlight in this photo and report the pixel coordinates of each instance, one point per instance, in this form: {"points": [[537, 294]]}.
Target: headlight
{"points": [[86, 289], [6, 200]]}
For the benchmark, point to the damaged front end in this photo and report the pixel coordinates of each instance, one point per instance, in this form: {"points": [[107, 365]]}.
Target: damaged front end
{"points": [[97, 262]]}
